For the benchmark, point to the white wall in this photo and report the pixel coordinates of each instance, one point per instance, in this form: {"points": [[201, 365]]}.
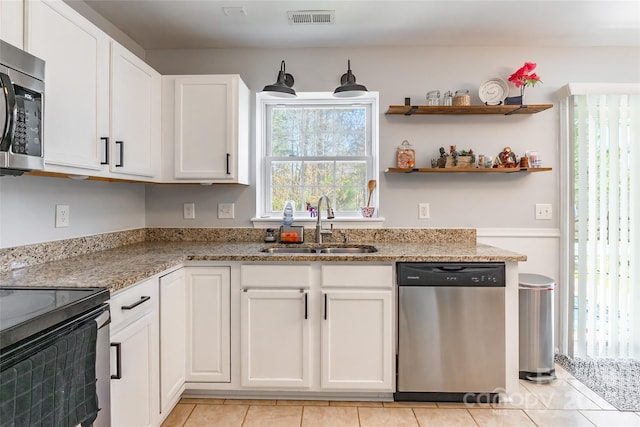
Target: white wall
{"points": [[27, 208], [489, 201]]}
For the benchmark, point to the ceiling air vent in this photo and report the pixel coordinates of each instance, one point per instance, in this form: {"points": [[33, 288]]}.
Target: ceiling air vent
{"points": [[311, 16]]}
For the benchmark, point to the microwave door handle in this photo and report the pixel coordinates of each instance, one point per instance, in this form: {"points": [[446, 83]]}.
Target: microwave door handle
{"points": [[10, 103]]}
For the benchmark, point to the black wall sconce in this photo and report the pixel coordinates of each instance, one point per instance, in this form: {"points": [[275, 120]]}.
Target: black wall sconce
{"points": [[348, 86], [283, 85]]}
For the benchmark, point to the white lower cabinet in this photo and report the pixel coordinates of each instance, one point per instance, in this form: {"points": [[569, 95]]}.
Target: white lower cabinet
{"points": [[134, 355], [357, 328], [357, 340], [274, 338], [317, 327], [208, 324], [173, 327]]}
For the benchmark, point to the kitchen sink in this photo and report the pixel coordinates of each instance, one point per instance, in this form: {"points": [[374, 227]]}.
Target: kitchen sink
{"points": [[290, 250], [348, 250], [322, 250]]}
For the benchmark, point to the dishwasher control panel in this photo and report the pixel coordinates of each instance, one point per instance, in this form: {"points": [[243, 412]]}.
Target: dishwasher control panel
{"points": [[450, 274]]}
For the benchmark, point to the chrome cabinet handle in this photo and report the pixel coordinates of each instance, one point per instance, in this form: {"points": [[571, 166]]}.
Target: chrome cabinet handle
{"points": [[118, 346], [106, 150], [135, 304], [121, 163]]}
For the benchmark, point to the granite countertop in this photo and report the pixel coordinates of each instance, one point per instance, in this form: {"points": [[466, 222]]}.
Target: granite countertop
{"points": [[120, 267]]}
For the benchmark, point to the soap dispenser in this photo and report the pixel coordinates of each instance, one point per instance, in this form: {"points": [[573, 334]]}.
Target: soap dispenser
{"points": [[287, 213]]}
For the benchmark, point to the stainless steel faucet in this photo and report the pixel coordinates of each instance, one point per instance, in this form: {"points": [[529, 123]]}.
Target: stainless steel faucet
{"points": [[319, 230]]}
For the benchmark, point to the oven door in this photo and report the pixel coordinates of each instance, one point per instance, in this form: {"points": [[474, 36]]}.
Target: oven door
{"points": [[69, 360]]}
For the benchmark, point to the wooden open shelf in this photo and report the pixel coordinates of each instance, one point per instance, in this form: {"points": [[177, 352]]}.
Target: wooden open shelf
{"points": [[466, 170], [409, 110]]}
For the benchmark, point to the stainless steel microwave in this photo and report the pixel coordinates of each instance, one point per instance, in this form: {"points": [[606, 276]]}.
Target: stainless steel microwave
{"points": [[21, 109]]}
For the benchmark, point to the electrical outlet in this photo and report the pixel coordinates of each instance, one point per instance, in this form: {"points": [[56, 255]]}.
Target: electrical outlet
{"points": [[62, 216], [424, 211], [226, 210], [543, 211], [189, 211]]}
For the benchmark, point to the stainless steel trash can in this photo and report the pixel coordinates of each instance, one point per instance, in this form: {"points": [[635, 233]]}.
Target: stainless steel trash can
{"points": [[536, 327]]}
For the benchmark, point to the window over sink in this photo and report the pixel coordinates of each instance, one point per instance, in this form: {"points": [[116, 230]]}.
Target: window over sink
{"points": [[312, 145]]}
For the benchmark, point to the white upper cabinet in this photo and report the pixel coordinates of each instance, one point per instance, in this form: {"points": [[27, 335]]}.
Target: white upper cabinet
{"points": [[12, 22], [135, 115], [76, 83], [206, 129]]}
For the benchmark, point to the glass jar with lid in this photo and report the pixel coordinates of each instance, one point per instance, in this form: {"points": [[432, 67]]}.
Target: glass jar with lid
{"points": [[433, 97], [462, 97], [405, 155]]}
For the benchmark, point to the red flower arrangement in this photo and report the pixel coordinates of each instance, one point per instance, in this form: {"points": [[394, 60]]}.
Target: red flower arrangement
{"points": [[524, 76]]}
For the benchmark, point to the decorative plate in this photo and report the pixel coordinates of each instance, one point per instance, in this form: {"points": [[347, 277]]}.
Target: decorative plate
{"points": [[494, 91]]}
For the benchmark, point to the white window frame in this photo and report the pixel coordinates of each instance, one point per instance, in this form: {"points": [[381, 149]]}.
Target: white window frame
{"points": [[265, 100]]}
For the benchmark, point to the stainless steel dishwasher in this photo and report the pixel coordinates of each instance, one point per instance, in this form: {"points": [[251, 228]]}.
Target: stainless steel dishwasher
{"points": [[451, 332]]}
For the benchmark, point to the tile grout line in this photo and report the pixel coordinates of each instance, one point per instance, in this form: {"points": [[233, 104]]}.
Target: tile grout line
{"points": [[413, 411], [472, 417], [244, 418], [186, 418], [529, 416]]}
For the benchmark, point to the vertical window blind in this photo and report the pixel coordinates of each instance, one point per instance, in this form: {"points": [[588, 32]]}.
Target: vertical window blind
{"points": [[606, 198]]}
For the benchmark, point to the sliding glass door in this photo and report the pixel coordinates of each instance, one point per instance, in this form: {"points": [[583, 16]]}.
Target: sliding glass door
{"points": [[602, 224]]}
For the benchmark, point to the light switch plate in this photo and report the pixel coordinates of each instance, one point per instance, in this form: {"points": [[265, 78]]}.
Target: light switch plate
{"points": [[544, 211], [226, 210]]}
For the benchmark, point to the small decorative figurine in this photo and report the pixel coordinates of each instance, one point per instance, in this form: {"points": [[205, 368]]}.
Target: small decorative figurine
{"points": [[442, 161], [506, 158]]}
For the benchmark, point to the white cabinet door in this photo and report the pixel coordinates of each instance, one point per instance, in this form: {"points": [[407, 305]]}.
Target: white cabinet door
{"points": [[76, 78], [208, 324], [12, 22], [173, 341], [211, 128], [274, 331], [135, 114], [132, 385], [357, 346]]}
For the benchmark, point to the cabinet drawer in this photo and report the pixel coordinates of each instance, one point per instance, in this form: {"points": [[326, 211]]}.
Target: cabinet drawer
{"points": [[365, 276], [275, 276], [133, 302]]}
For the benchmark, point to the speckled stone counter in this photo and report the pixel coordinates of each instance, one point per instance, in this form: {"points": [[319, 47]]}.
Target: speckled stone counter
{"points": [[120, 267]]}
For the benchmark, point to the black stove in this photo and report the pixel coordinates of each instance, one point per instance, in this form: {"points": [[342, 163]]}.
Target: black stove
{"points": [[28, 312]]}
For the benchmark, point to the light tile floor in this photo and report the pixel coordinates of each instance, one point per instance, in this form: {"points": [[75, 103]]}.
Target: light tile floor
{"points": [[564, 402]]}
